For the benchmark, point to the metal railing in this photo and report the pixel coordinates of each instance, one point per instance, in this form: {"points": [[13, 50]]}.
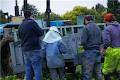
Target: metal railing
{"points": [[64, 30]]}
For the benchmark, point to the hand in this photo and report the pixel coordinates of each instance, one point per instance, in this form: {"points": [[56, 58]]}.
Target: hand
{"points": [[8, 38], [102, 51]]}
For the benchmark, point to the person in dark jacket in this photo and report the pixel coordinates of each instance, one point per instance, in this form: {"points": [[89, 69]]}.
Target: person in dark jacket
{"points": [[91, 40], [29, 33], [111, 39], [54, 48]]}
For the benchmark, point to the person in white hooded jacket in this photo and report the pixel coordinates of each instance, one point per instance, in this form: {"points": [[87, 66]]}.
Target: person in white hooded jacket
{"points": [[53, 47]]}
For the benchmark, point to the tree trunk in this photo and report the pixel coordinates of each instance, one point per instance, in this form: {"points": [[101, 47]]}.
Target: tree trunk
{"points": [[0, 61]]}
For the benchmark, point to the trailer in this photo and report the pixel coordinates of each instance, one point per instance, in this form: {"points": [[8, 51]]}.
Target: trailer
{"points": [[12, 58]]}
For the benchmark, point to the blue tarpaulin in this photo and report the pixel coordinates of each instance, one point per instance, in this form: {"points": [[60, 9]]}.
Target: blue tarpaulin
{"points": [[1, 28], [57, 23]]}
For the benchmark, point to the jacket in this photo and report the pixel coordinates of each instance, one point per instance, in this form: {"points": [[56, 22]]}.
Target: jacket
{"points": [[53, 52], [111, 35], [91, 37], [29, 33]]}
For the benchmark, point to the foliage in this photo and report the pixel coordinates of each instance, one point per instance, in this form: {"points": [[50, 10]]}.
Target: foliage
{"points": [[80, 50], [101, 11], [78, 10], [53, 16], [46, 76], [72, 15], [31, 8], [2, 17], [9, 78], [114, 7], [100, 8]]}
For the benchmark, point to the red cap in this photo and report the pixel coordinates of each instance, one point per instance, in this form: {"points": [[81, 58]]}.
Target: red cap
{"points": [[109, 17]]}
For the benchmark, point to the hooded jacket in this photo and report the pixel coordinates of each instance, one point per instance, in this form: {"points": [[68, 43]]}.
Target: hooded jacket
{"points": [[29, 33], [111, 35], [91, 37], [53, 47]]}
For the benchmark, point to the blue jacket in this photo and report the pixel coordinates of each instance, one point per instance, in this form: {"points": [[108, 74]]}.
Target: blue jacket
{"points": [[29, 33], [111, 35], [53, 52], [91, 37]]}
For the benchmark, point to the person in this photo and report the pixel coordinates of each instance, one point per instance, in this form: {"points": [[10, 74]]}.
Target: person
{"points": [[111, 40], [54, 47], [91, 40], [3, 50], [29, 33]]}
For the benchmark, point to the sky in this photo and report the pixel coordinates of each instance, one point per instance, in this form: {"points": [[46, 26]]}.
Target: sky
{"points": [[57, 6]]}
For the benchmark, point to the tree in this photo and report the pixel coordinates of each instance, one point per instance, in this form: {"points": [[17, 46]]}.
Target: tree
{"points": [[31, 8], [113, 7], [2, 17], [101, 11], [53, 16], [100, 8], [78, 10]]}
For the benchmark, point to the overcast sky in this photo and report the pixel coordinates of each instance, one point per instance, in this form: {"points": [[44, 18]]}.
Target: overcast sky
{"points": [[57, 6]]}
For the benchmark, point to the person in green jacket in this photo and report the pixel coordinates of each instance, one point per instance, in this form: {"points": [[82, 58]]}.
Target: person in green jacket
{"points": [[111, 40]]}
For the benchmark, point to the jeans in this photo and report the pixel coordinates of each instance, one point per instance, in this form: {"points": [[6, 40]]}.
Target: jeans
{"points": [[57, 73], [33, 65], [91, 65]]}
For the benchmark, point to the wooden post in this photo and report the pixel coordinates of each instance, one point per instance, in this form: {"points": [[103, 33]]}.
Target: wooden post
{"points": [[1, 43], [0, 61]]}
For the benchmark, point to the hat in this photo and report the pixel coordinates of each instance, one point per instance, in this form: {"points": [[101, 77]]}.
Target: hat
{"points": [[109, 17], [53, 28], [52, 35]]}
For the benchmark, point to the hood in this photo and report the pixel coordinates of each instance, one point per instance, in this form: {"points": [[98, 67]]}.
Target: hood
{"points": [[27, 19], [52, 35], [53, 28], [115, 23]]}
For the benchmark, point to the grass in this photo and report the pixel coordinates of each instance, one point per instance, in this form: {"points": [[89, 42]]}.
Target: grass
{"points": [[12, 77], [46, 76]]}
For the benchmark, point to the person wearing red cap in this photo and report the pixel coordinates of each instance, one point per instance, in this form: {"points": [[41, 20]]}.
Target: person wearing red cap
{"points": [[91, 40], [111, 43]]}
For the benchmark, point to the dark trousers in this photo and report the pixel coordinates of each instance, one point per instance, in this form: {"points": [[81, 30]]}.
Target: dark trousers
{"points": [[57, 73], [91, 65]]}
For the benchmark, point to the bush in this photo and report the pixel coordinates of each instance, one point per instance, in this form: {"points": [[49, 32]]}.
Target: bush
{"points": [[12, 77]]}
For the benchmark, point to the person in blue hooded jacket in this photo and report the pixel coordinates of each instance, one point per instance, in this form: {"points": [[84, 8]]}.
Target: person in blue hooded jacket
{"points": [[54, 48], [30, 33], [111, 47], [91, 40]]}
